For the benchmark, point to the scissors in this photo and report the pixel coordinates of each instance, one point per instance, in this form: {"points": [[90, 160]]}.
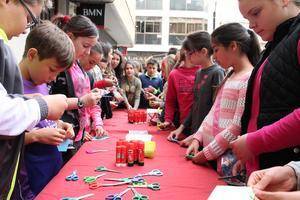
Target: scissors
{"points": [[117, 196], [104, 169], [138, 196], [72, 177], [154, 172], [126, 180], [122, 181], [153, 186], [237, 180], [90, 179], [77, 198]]}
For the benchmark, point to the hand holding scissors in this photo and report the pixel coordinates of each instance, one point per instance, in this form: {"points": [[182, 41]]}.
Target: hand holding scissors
{"points": [[90, 179], [154, 172], [77, 198], [153, 186], [104, 169], [72, 177], [138, 196], [117, 196]]}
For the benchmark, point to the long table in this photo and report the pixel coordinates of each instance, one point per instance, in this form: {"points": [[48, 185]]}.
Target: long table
{"points": [[181, 180]]}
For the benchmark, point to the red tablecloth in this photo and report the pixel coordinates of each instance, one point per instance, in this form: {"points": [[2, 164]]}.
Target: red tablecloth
{"points": [[181, 178]]}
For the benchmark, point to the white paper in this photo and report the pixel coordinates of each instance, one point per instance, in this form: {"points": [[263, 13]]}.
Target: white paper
{"points": [[138, 135], [231, 193]]}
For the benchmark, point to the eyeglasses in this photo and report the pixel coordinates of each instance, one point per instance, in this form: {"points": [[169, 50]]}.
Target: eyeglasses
{"points": [[34, 20]]}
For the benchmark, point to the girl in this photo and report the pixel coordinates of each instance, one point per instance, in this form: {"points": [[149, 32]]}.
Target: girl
{"points": [[117, 64], [237, 47], [271, 117], [200, 51], [92, 116], [74, 82], [179, 93], [131, 87]]}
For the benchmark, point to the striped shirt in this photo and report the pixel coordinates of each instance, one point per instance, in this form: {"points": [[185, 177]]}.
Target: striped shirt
{"points": [[223, 122]]}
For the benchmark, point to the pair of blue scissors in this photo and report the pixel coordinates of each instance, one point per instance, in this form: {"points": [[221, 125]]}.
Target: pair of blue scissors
{"points": [[72, 177], [77, 198], [152, 186], [117, 196], [138, 196], [154, 172]]}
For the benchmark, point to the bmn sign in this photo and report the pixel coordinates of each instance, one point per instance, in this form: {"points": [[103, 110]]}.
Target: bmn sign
{"points": [[95, 12]]}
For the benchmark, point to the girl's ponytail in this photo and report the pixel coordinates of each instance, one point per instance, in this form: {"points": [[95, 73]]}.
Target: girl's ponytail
{"points": [[254, 50]]}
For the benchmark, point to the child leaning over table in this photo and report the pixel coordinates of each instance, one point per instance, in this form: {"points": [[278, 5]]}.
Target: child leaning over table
{"points": [[48, 51], [238, 47]]}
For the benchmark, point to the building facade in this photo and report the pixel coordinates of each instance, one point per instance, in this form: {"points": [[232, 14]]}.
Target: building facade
{"points": [[162, 24]]}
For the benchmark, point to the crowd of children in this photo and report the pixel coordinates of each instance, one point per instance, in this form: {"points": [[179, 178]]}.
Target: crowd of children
{"points": [[220, 95]]}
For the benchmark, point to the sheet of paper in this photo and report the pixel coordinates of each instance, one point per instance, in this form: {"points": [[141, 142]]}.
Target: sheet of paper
{"points": [[231, 192], [63, 147], [100, 138], [138, 135]]}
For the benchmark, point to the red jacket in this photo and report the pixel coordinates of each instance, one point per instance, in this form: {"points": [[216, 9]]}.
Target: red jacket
{"points": [[180, 92]]}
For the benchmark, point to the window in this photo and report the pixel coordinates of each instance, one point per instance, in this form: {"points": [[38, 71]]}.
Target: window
{"points": [[149, 4], [196, 5], [180, 27], [148, 30]]}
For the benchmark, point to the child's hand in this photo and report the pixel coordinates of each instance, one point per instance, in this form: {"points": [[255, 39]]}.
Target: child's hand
{"points": [[240, 149], [193, 148], [129, 107], [187, 141], [99, 131], [174, 134], [154, 104], [164, 125], [57, 104], [67, 127], [199, 158], [52, 136], [91, 98], [87, 136], [150, 89]]}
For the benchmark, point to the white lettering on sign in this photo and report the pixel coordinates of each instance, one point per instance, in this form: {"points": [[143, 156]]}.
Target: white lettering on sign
{"points": [[92, 12]]}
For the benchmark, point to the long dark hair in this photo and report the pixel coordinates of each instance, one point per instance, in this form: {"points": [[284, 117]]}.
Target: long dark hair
{"points": [[245, 39], [79, 25], [120, 66]]}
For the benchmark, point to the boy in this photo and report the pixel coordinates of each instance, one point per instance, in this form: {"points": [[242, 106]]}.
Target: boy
{"points": [[151, 81], [17, 112], [39, 66]]}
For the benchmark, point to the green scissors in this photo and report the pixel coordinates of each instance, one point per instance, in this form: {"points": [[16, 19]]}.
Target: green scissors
{"points": [[123, 181], [90, 179], [77, 198], [104, 169], [153, 186], [138, 196]]}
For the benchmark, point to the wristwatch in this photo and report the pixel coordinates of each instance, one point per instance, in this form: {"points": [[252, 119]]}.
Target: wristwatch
{"points": [[80, 104]]}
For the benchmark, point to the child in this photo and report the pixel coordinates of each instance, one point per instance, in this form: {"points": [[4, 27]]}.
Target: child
{"points": [[131, 87], [167, 65], [74, 82], [271, 117], [199, 50], [179, 98], [117, 64], [92, 116], [17, 112], [237, 47], [39, 66], [151, 81]]}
